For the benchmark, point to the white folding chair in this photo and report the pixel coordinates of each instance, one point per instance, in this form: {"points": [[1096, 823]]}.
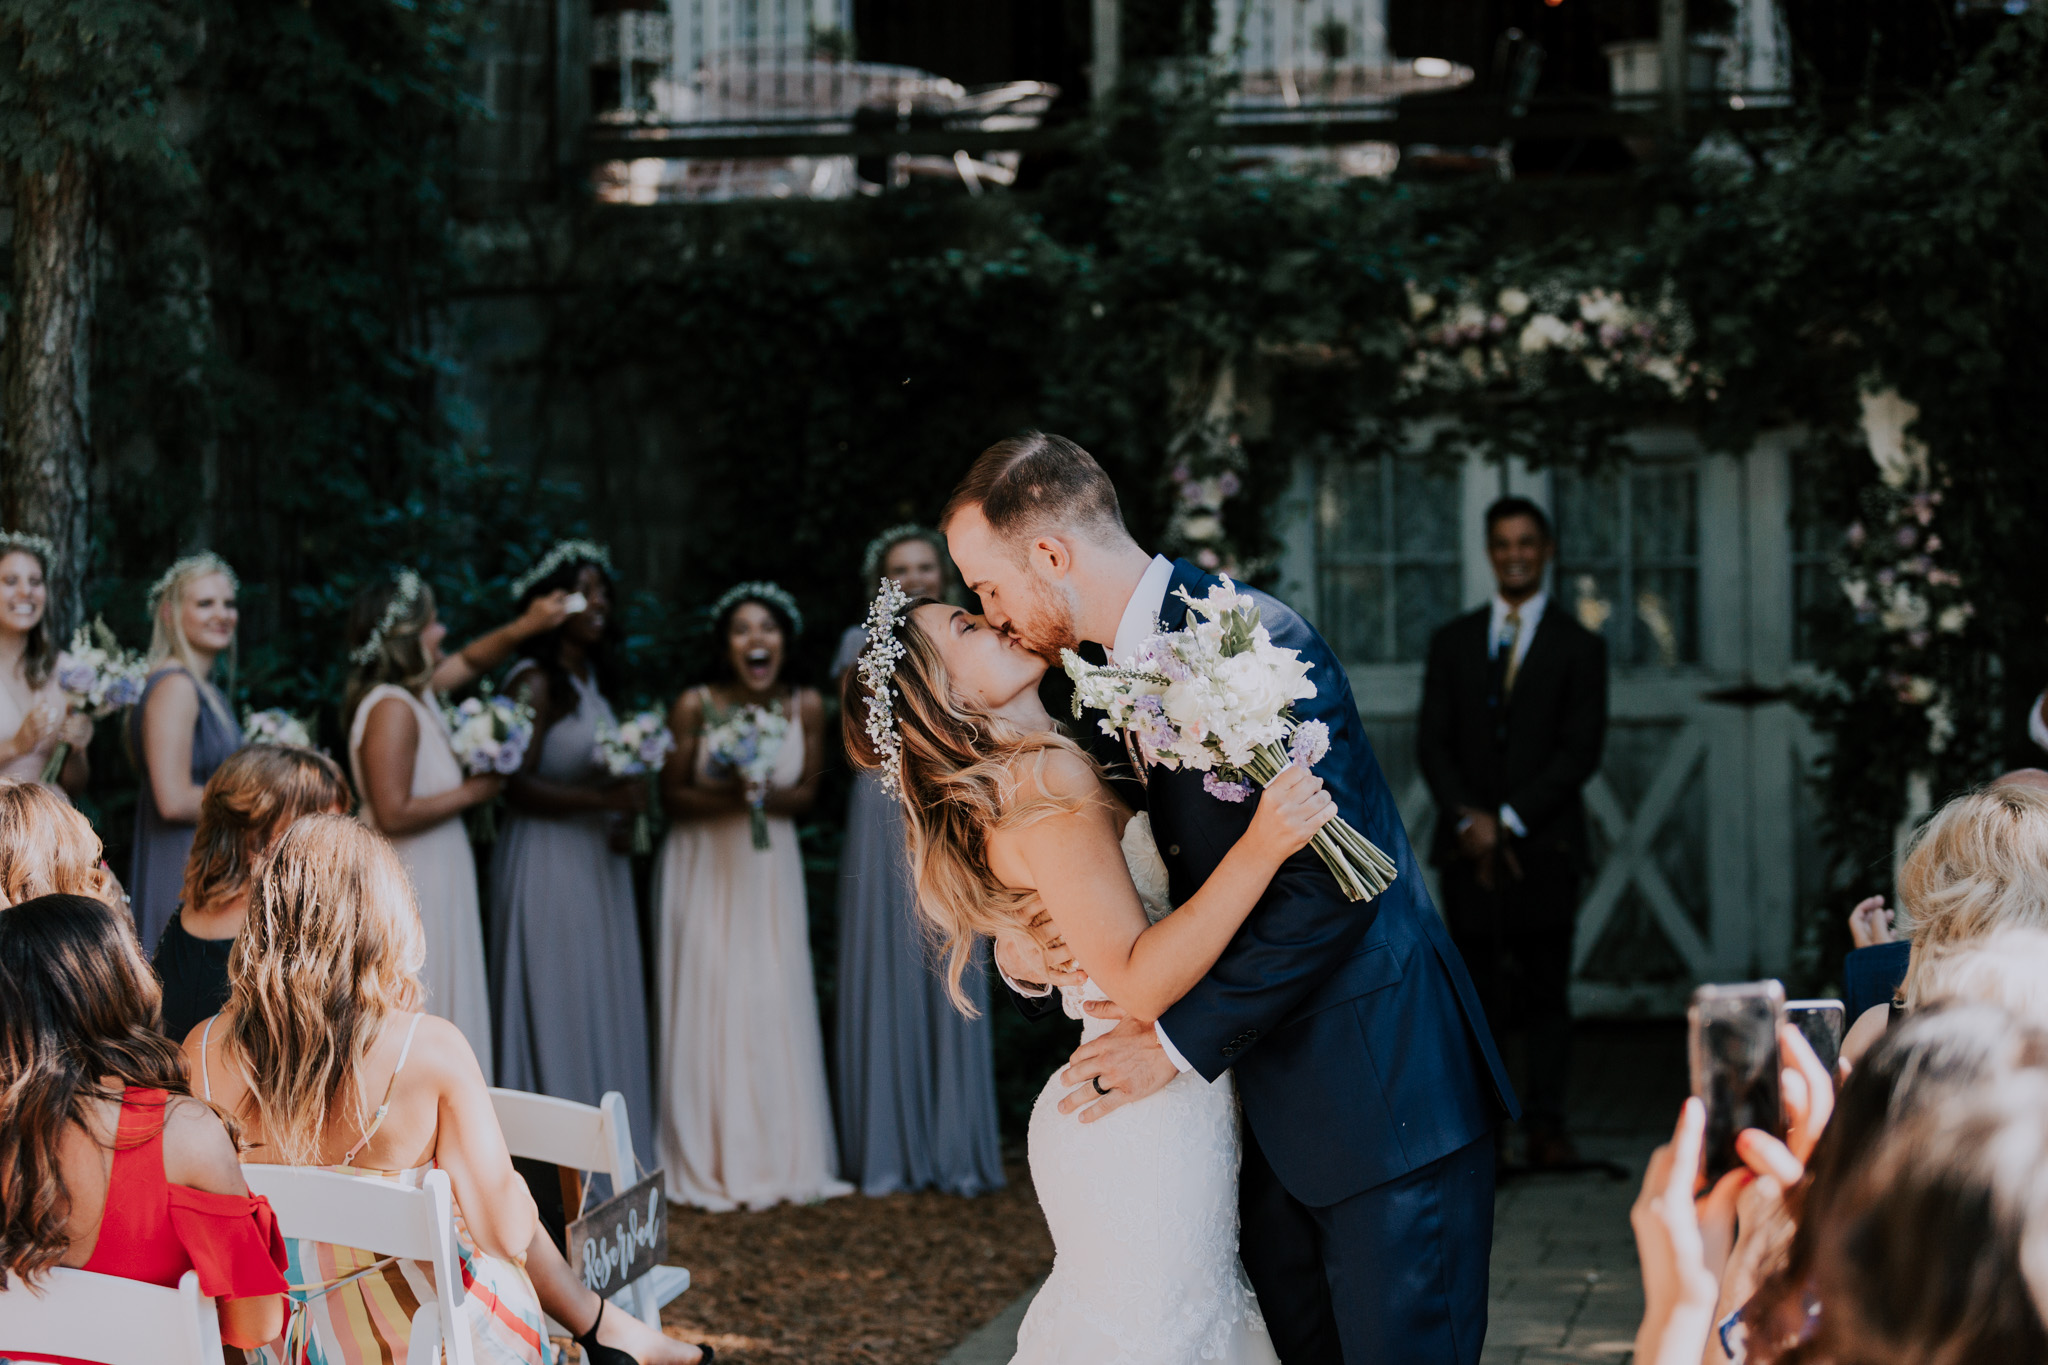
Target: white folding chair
{"points": [[583, 1138], [386, 1220], [106, 1318]]}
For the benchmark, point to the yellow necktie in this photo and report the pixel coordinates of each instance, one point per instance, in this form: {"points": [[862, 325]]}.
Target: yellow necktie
{"points": [[1513, 647]]}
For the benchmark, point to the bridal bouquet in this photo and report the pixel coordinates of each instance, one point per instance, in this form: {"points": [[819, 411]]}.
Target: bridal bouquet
{"points": [[636, 747], [97, 677], [1217, 697], [489, 734], [276, 726], [745, 744]]}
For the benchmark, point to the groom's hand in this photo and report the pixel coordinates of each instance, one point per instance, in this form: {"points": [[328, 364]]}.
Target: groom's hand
{"points": [[1127, 1060]]}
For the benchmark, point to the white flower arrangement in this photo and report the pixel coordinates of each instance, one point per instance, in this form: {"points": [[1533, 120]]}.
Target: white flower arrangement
{"points": [[490, 734], [745, 742], [564, 552], [1511, 338], [636, 747], [98, 678], [276, 725], [1217, 697]]}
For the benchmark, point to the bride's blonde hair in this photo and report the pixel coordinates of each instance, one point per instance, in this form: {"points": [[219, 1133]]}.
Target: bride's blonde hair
{"points": [[965, 773]]}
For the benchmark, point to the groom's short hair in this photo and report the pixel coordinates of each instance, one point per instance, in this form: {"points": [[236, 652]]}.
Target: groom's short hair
{"points": [[1036, 480]]}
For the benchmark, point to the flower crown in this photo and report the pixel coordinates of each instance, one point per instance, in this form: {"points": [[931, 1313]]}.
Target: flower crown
{"points": [[871, 558], [36, 545], [760, 591], [564, 552], [401, 605], [191, 566], [877, 668]]}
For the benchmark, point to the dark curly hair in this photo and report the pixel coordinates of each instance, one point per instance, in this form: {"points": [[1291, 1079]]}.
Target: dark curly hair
{"points": [[545, 649]]}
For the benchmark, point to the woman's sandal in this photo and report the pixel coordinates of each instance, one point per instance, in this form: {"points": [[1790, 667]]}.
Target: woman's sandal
{"points": [[596, 1352]]}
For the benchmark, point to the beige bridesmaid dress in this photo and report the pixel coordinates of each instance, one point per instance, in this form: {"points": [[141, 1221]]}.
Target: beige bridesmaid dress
{"points": [[443, 872], [745, 1118]]}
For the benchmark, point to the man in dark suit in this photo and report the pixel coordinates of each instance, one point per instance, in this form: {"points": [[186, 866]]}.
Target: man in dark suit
{"points": [[1514, 712], [1369, 1084]]}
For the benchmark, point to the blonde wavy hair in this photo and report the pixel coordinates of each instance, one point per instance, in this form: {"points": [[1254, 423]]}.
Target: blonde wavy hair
{"points": [[48, 848], [1980, 865], [167, 640], [332, 948], [965, 774]]}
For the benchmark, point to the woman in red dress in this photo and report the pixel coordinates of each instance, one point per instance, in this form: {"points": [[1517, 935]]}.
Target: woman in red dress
{"points": [[109, 1164]]}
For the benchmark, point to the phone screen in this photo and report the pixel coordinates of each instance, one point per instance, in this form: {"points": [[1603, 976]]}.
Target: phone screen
{"points": [[1733, 1042], [1822, 1023]]}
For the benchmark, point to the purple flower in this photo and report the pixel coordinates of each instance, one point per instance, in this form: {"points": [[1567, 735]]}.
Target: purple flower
{"points": [[511, 753], [1228, 484], [1232, 792], [1917, 639], [1855, 535], [123, 692], [1907, 537], [1310, 742], [76, 678]]}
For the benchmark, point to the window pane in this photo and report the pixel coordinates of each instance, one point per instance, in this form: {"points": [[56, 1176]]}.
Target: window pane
{"points": [[1667, 630], [1354, 610], [1352, 511], [1663, 522], [1425, 596], [1426, 510], [1588, 517], [1591, 597]]}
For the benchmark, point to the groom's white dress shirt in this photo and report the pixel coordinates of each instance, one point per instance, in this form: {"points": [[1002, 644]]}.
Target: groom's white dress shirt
{"points": [[1140, 622]]}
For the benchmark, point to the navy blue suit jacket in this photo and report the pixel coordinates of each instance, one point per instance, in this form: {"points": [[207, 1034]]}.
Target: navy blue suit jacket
{"points": [[1360, 1050]]}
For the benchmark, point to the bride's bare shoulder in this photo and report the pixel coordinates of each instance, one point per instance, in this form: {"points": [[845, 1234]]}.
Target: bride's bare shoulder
{"points": [[1055, 773]]}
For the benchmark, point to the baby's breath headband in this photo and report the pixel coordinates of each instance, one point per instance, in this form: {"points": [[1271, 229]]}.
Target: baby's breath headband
{"points": [[871, 558], [564, 552], [760, 591], [401, 606], [38, 546], [191, 566], [877, 669]]}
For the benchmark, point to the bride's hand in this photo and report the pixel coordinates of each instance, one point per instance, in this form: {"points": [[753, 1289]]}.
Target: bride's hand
{"points": [[1291, 809]]}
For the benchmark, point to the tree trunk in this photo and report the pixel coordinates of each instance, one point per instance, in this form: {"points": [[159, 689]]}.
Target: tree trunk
{"points": [[45, 474]]}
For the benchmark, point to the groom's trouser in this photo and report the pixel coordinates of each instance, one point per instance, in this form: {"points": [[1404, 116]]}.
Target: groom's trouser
{"points": [[1394, 1275]]}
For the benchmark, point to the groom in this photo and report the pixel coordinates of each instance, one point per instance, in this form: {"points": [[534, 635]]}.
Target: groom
{"points": [[1369, 1083]]}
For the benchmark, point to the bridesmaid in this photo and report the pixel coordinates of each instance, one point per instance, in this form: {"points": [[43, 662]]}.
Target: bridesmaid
{"points": [[33, 712], [917, 1090], [413, 788], [181, 730], [745, 1120], [566, 988]]}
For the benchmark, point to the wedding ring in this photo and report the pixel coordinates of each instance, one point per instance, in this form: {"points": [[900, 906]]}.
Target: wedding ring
{"points": [[1096, 1081]]}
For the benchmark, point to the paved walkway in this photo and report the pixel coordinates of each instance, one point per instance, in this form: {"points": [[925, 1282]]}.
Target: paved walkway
{"points": [[1564, 1281]]}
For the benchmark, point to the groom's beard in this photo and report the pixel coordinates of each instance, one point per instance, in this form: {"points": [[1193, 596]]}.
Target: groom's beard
{"points": [[1049, 627]]}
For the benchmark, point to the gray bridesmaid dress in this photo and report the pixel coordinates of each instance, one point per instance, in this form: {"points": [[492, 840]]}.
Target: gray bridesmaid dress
{"points": [[916, 1101], [156, 877], [570, 1009]]}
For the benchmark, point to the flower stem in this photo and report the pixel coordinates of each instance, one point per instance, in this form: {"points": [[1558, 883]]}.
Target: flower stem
{"points": [[1361, 869]]}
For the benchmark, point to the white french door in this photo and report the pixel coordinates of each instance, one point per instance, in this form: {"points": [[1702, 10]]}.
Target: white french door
{"points": [[1687, 562]]}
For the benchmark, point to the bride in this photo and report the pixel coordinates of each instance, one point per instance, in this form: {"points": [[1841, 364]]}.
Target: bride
{"points": [[1007, 820]]}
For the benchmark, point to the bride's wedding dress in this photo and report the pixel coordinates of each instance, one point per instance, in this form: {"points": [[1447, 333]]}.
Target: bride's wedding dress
{"points": [[1143, 1210]]}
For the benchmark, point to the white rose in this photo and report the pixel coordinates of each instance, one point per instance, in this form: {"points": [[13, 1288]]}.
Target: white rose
{"points": [[1513, 302], [1544, 331]]}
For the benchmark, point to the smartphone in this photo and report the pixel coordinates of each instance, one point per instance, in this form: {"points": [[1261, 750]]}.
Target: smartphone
{"points": [[1822, 1022], [1732, 1045]]}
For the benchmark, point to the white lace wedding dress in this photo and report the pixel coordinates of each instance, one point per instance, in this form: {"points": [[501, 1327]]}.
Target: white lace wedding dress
{"points": [[1143, 1210]]}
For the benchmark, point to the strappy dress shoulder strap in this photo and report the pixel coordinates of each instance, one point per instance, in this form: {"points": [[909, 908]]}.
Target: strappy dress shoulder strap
{"points": [[377, 1119], [205, 1041]]}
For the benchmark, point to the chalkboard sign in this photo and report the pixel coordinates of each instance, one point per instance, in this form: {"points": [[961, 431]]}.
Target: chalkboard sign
{"points": [[621, 1239]]}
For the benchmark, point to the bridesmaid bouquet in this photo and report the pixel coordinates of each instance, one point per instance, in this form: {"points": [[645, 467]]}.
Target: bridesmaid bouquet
{"points": [[636, 747], [746, 744], [1217, 697], [276, 726], [97, 677], [489, 734]]}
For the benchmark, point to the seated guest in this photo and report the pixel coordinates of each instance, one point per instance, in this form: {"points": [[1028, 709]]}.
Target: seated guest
{"points": [[2008, 969], [324, 1055], [249, 801], [1979, 865], [47, 848], [110, 1166]]}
